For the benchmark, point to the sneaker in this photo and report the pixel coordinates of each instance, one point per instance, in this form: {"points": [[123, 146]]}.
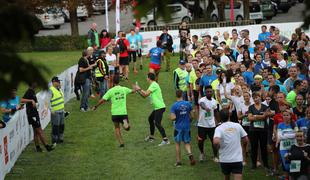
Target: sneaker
{"points": [[49, 148], [178, 164], [201, 157], [122, 145], [39, 149], [60, 141], [83, 110], [268, 172], [92, 96], [125, 124], [54, 145], [216, 160], [164, 143], [149, 139]]}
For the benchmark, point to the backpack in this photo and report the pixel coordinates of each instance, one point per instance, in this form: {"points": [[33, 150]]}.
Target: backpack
{"points": [[121, 45]]}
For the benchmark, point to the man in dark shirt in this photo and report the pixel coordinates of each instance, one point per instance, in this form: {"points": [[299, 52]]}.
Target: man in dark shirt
{"points": [[85, 79], [167, 43], [34, 119], [184, 33]]}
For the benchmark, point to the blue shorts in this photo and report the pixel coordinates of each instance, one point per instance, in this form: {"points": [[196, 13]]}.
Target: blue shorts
{"points": [[182, 135]]}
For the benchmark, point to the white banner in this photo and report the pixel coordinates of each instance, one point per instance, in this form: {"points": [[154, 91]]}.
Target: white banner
{"points": [[107, 15], [150, 38], [117, 17], [18, 133]]}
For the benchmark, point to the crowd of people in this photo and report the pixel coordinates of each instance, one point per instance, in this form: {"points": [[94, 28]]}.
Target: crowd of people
{"points": [[246, 97]]}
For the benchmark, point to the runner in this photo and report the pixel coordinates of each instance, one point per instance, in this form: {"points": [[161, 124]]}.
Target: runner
{"points": [[206, 122], [180, 113], [156, 54], [156, 116], [117, 96], [227, 139]]}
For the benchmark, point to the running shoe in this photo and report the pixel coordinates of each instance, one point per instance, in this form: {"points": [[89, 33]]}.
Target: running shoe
{"points": [[39, 149], [83, 110], [149, 139], [141, 67], [49, 148], [125, 124], [201, 157], [164, 143], [122, 145], [178, 164], [216, 160]]}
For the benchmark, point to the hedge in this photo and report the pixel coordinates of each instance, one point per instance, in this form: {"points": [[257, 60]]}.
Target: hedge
{"points": [[53, 43]]}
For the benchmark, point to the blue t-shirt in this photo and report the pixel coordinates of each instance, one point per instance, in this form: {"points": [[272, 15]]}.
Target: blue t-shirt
{"points": [[133, 41], [182, 110], [155, 54], [258, 67], [140, 39], [206, 80], [263, 37], [10, 104], [248, 77], [266, 83], [282, 88], [303, 124]]}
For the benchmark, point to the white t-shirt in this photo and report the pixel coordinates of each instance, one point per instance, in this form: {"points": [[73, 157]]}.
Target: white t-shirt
{"points": [[110, 58], [230, 135], [206, 119], [225, 60], [229, 87]]}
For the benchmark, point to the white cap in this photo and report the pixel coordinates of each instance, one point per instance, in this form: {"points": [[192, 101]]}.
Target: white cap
{"points": [[220, 48]]}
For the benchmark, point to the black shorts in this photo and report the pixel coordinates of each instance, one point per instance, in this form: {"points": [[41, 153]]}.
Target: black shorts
{"points": [[196, 96], [119, 118], [139, 52], [204, 132], [123, 61], [34, 121], [231, 168], [246, 129]]}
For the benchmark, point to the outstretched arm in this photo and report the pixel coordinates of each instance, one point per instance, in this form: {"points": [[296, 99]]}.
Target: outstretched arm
{"points": [[101, 101]]}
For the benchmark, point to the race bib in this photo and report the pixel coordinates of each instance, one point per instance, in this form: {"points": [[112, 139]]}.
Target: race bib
{"points": [[208, 115], [245, 121], [286, 144], [295, 166], [224, 101], [259, 124]]}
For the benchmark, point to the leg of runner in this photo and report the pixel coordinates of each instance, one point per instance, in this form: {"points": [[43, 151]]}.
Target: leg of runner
{"points": [[227, 177], [189, 152], [178, 152], [152, 125], [126, 71], [237, 176], [134, 54], [210, 135], [201, 138], [140, 56], [254, 145], [118, 134], [158, 116]]}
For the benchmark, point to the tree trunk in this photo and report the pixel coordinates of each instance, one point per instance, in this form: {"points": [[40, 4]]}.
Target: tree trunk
{"points": [[197, 9], [246, 9], [74, 21], [221, 10]]}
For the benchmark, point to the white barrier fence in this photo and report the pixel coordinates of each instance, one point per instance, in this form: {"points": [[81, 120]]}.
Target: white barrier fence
{"points": [[18, 133], [150, 38]]}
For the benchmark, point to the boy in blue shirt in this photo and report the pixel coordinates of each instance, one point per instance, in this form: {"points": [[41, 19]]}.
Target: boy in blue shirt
{"points": [[180, 113]]}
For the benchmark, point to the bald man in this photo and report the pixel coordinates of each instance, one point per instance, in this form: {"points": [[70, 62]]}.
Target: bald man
{"points": [[92, 37]]}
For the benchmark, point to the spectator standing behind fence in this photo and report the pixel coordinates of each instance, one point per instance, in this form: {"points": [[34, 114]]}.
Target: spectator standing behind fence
{"points": [[102, 73], [10, 106], [92, 37], [85, 79], [167, 42], [34, 119], [104, 39], [57, 105], [184, 33]]}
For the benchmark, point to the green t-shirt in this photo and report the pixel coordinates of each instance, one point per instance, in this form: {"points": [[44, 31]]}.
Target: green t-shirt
{"points": [[117, 95], [291, 98], [156, 96]]}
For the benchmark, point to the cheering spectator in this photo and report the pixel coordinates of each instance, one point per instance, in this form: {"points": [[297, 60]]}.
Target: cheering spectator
{"points": [[104, 39], [167, 42], [10, 106], [92, 37]]}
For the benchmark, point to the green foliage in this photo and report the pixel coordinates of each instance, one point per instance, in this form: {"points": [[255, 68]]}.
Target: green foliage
{"points": [[306, 14], [17, 26]]}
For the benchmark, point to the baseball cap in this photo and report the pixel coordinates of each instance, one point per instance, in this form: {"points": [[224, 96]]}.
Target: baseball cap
{"points": [[220, 48], [182, 62], [55, 79], [257, 76]]}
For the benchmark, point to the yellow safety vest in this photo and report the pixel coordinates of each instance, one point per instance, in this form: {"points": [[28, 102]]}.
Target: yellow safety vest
{"points": [[97, 71], [57, 100], [182, 74]]}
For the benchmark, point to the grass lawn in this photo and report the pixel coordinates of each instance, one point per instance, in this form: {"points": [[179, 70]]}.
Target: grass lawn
{"points": [[91, 151]]}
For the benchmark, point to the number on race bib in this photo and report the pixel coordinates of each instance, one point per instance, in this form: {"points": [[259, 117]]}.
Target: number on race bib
{"points": [[259, 124], [207, 115], [295, 166]]}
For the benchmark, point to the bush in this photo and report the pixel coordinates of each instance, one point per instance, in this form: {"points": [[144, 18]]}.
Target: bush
{"points": [[54, 43]]}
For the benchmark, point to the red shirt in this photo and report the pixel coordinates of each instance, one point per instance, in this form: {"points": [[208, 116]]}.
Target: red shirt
{"points": [[104, 42], [278, 118], [125, 53]]}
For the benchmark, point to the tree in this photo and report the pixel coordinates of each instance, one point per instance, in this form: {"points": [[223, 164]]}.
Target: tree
{"points": [[17, 25], [306, 14]]}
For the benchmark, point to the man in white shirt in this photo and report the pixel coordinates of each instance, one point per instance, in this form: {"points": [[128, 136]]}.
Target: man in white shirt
{"points": [[227, 139], [206, 122], [225, 61]]}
